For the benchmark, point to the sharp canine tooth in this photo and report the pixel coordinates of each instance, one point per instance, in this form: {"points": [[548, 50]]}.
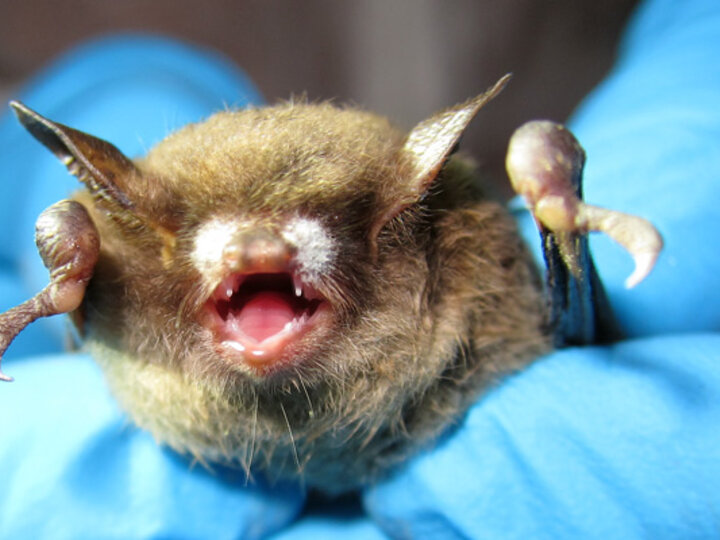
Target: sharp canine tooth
{"points": [[298, 286], [226, 288]]}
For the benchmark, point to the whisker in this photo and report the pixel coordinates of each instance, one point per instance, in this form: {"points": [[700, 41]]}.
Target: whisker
{"points": [[251, 453], [311, 410], [292, 440]]}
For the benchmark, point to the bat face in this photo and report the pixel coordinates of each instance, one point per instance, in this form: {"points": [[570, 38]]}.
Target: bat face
{"points": [[300, 289], [269, 264], [272, 233]]}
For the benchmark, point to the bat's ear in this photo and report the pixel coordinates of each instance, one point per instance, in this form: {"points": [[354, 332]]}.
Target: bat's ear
{"points": [[98, 164], [427, 148], [429, 144]]}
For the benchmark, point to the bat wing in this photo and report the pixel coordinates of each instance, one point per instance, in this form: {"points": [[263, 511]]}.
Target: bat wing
{"points": [[580, 313]]}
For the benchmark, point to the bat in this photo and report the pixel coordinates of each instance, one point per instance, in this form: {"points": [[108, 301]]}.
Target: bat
{"points": [[306, 290]]}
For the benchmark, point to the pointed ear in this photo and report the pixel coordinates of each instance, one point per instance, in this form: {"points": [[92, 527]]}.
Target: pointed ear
{"points": [[103, 169], [427, 147], [430, 143]]}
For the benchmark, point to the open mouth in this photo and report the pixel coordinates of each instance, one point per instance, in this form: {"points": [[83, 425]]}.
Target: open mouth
{"points": [[256, 317]]}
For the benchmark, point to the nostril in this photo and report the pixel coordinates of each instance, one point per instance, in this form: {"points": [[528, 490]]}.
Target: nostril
{"points": [[257, 251], [266, 252]]}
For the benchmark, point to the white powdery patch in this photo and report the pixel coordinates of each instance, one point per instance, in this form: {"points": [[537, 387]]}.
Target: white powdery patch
{"points": [[315, 247], [211, 241]]}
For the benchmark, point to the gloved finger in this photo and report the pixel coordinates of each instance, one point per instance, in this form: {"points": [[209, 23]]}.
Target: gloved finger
{"points": [[72, 467], [594, 442]]}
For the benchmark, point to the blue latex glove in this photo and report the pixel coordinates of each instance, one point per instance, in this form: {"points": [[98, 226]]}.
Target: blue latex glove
{"points": [[72, 467], [619, 441]]}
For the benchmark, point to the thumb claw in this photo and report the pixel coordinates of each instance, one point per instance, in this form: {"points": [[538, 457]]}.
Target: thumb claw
{"points": [[638, 236], [644, 263]]}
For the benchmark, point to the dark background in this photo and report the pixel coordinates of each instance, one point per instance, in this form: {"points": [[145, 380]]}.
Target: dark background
{"points": [[402, 58]]}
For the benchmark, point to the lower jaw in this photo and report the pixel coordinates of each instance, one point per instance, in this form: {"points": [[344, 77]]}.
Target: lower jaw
{"points": [[274, 355], [257, 362]]}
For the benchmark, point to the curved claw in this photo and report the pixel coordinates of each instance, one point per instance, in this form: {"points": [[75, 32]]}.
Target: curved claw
{"points": [[637, 235], [543, 160]]}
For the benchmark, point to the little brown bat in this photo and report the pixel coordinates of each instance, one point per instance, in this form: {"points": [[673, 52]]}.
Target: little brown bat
{"points": [[303, 289]]}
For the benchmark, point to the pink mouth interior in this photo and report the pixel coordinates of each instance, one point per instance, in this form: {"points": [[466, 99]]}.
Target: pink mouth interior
{"points": [[258, 315], [264, 315]]}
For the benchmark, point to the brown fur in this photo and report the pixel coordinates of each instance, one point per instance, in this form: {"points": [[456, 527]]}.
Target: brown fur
{"points": [[450, 302]]}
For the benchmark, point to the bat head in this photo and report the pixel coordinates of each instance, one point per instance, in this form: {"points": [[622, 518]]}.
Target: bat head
{"points": [[260, 228]]}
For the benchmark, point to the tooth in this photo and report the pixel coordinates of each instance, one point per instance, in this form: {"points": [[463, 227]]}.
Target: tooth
{"points": [[235, 345], [224, 289], [232, 322], [298, 286]]}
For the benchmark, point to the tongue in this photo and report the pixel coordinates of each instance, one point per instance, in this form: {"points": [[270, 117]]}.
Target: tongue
{"points": [[264, 315]]}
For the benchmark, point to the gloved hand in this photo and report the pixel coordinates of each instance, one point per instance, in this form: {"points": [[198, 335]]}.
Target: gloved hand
{"points": [[618, 441]]}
